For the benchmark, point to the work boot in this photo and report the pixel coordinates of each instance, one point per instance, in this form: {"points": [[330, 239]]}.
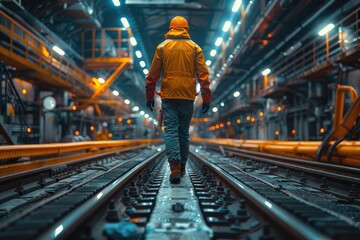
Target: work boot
{"points": [[175, 172], [182, 168]]}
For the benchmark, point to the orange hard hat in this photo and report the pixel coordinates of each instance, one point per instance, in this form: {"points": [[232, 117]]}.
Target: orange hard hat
{"points": [[179, 22]]}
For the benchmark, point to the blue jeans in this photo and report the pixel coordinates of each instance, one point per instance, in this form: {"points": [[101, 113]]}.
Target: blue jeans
{"points": [[177, 117]]}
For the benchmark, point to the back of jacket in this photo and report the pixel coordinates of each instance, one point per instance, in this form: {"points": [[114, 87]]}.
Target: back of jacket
{"points": [[179, 60]]}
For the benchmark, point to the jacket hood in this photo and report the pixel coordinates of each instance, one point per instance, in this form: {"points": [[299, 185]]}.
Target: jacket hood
{"points": [[176, 33]]}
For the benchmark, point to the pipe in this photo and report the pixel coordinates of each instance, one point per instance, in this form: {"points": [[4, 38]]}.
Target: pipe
{"points": [[339, 104]]}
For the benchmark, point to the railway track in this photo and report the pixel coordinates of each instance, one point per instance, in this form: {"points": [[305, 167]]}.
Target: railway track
{"points": [[128, 196], [341, 181]]}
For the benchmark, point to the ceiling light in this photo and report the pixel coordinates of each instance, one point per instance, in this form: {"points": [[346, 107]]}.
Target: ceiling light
{"points": [[133, 41], [127, 101], [218, 75], [116, 3], [236, 94], [292, 49], [142, 64], [236, 5], [142, 112], [326, 29], [125, 22], [266, 72], [116, 93], [138, 54], [145, 71], [101, 80], [226, 26], [213, 53], [215, 109], [208, 62], [146, 116], [135, 109], [58, 50], [222, 104], [218, 42]]}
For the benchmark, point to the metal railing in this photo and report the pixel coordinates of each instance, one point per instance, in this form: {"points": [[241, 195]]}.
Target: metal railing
{"points": [[322, 52], [25, 50], [106, 43], [12, 108]]}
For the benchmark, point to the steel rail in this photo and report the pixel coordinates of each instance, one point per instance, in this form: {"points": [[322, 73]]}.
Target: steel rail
{"points": [[36, 150], [65, 226], [14, 218], [287, 221], [296, 163], [327, 174]]}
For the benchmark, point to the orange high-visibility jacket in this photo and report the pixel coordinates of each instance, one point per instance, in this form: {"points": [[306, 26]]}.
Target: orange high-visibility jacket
{"points": [[179, 60]]}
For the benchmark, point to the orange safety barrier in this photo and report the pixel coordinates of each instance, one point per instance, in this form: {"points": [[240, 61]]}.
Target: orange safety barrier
{"points": [[37, 150], [347, 152]]}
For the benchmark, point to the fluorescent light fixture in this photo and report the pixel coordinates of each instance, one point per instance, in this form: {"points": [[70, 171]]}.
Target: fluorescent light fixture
{"points": [[326, 29], [213, 52], [146, 116], [215, 109], [99, 195], [208, 62], [58, 230], [268, 204], [133, 41], [101, 80], [218, 42], [236, 94], [142, 64], [142, 112], [116, 93], [226, 26], [138, 54], [127, 101], [90, 10], [135, 109], [236, 5], [145, 71], [125, 22], [266, 72], [116, 3], [58, 50]]}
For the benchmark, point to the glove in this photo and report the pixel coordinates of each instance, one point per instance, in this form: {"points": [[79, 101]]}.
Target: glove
{"points": [[150, 104], [205, 107]]}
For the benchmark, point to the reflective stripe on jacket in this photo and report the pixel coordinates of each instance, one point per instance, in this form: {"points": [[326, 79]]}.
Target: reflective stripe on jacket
{"points": [[178, 59]]}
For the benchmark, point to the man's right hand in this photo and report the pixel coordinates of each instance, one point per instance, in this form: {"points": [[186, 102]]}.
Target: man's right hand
{"points": [[150, 105], [205, 107]]}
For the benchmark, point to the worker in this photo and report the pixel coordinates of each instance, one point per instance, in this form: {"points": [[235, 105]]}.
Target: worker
{"points": [[103, 134], [180, 60]]}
